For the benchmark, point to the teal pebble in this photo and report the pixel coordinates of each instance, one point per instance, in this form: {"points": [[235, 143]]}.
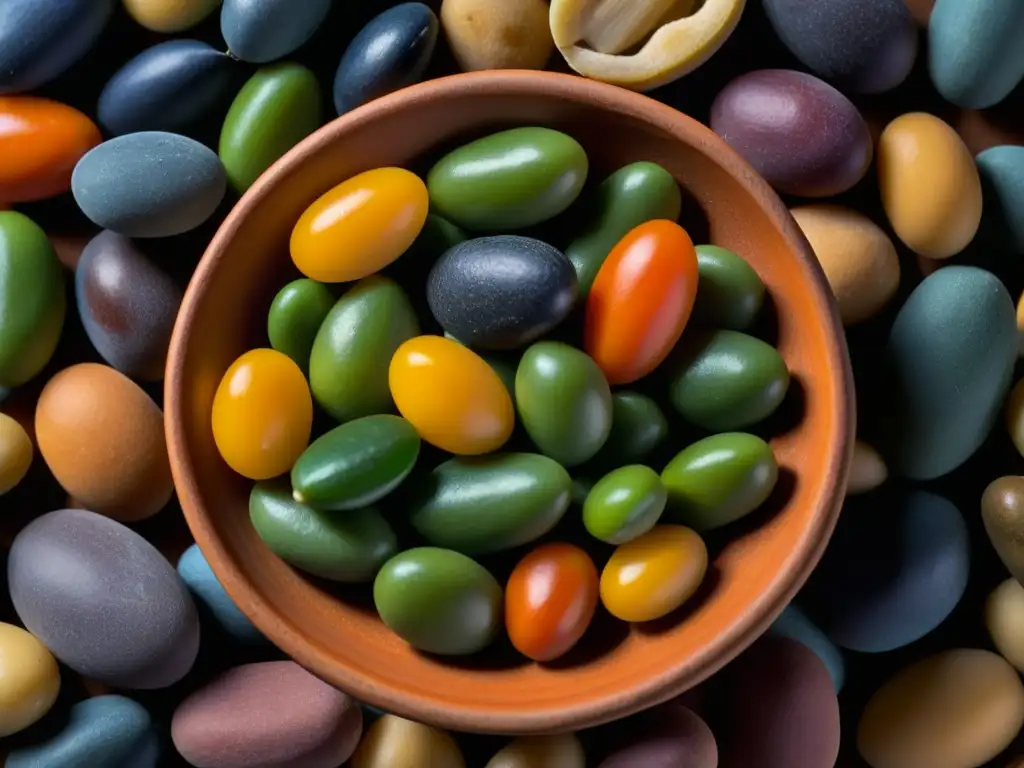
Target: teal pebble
{"points": [[1002, 182], [197, 574], [794, 624], [149, 184], [975, 50], [947, 366], [101, 732]]}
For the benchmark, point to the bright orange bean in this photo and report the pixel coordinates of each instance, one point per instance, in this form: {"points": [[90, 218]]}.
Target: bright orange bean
{"points": [[550, 599], [641, 300], [360, 226], [40, 143], [262, 414], [451, 395]]}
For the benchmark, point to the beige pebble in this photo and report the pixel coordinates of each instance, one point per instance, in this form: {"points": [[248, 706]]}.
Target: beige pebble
{"points": [[858, 258], [29, 679], [868, 470], [562, 751], [1020, 323], [170, 15], [497, 34], [957, 709], [394, 742], [1004, 617], [15, 453]]}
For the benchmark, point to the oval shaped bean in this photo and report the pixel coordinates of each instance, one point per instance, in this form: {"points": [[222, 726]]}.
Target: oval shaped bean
{"points": [[349, 548], [360, 226], [726, 380], [272, 713], [120, 580], [944, 390], [103, 730], [32, 295], [719, 479], [641, 300], [805, 137], [635, 193], [41, 39], [348, 365], [356, 464], [394, 742], [438, 601], [563, 750], [638, 427], [296, 316], [1004, 618], [29, 679], [956, 709], [624, 504], [392, 51], [525, 496], [259, 31], [149, 184], [564, 402], [550, 599], [652, 575], [868, 48], [127, 305], [504, 35], [197, 574], [278, 107], [508, 180], [168, 87], [930, 186], [169, 16], [15, 453], [40, 141], [454, 399], [262, 414], [729, 292], [859, 259], [501, 292]]}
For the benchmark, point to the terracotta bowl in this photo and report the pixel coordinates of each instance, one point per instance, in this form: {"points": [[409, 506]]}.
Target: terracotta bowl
{"points": [[224, 313]]}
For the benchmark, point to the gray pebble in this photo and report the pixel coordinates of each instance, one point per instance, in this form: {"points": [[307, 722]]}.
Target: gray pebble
{"points": [[103, 600], [149, 184]]}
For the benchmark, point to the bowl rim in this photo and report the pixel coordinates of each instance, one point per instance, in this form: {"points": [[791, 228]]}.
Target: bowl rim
{"points": [[756, 617]]}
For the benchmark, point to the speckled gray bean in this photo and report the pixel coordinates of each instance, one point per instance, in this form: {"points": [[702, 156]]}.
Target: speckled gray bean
{"points": [[103, 600], [149, 184], [501, 292]]}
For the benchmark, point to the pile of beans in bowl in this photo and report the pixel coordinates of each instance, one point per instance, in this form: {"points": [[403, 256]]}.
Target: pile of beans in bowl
{"points": [[504, 353], [566, 370]]}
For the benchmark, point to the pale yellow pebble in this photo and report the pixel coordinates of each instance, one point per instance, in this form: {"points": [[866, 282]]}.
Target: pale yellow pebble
{"points": [[170, 15], [957, 709], [29, 679], [868, 470], [497, 34], [394, 742], [563, 751], [858, 258], [597, 37], [1004, 617], [929, 185], [15, 453], [1014, 415]]}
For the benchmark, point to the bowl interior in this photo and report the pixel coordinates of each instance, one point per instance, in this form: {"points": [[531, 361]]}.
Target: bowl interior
{"points": [[618, 669]]}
